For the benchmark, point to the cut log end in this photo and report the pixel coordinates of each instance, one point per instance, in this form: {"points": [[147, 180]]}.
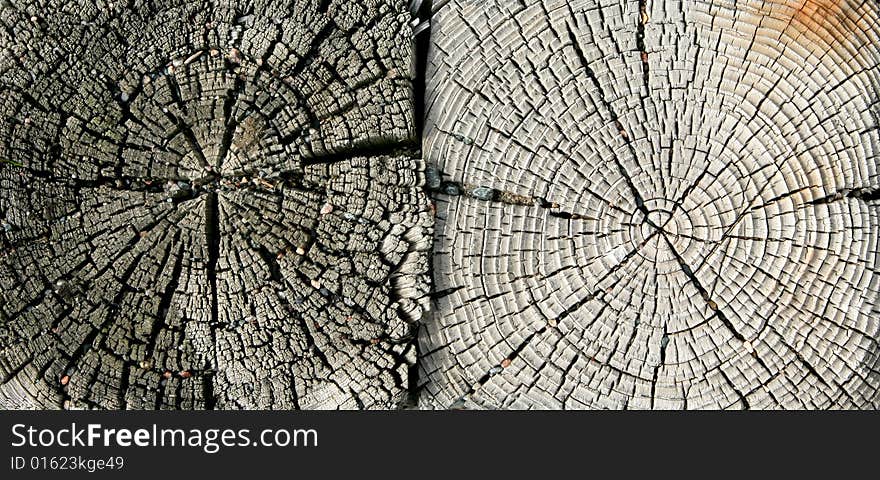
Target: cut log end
{"points": [[707, 232], [209, 206]]}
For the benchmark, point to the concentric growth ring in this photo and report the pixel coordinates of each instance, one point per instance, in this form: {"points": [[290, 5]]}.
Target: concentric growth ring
{"points": [[704, 224], [209, 206]]}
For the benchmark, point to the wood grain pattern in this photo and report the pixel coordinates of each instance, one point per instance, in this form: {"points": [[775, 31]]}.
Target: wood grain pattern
{"points": [[209, 205], [702, 225]]}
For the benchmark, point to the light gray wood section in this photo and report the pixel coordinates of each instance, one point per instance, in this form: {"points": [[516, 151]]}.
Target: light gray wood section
{"points": [[697, 221]]}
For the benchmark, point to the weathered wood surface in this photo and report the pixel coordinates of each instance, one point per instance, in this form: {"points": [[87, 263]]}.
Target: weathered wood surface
{"points": [[640, 204], [654, 204], [209, 204]]}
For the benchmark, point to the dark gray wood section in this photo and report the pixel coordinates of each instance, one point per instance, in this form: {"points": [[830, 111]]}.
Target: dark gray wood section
{"points": [[209, 204]]}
